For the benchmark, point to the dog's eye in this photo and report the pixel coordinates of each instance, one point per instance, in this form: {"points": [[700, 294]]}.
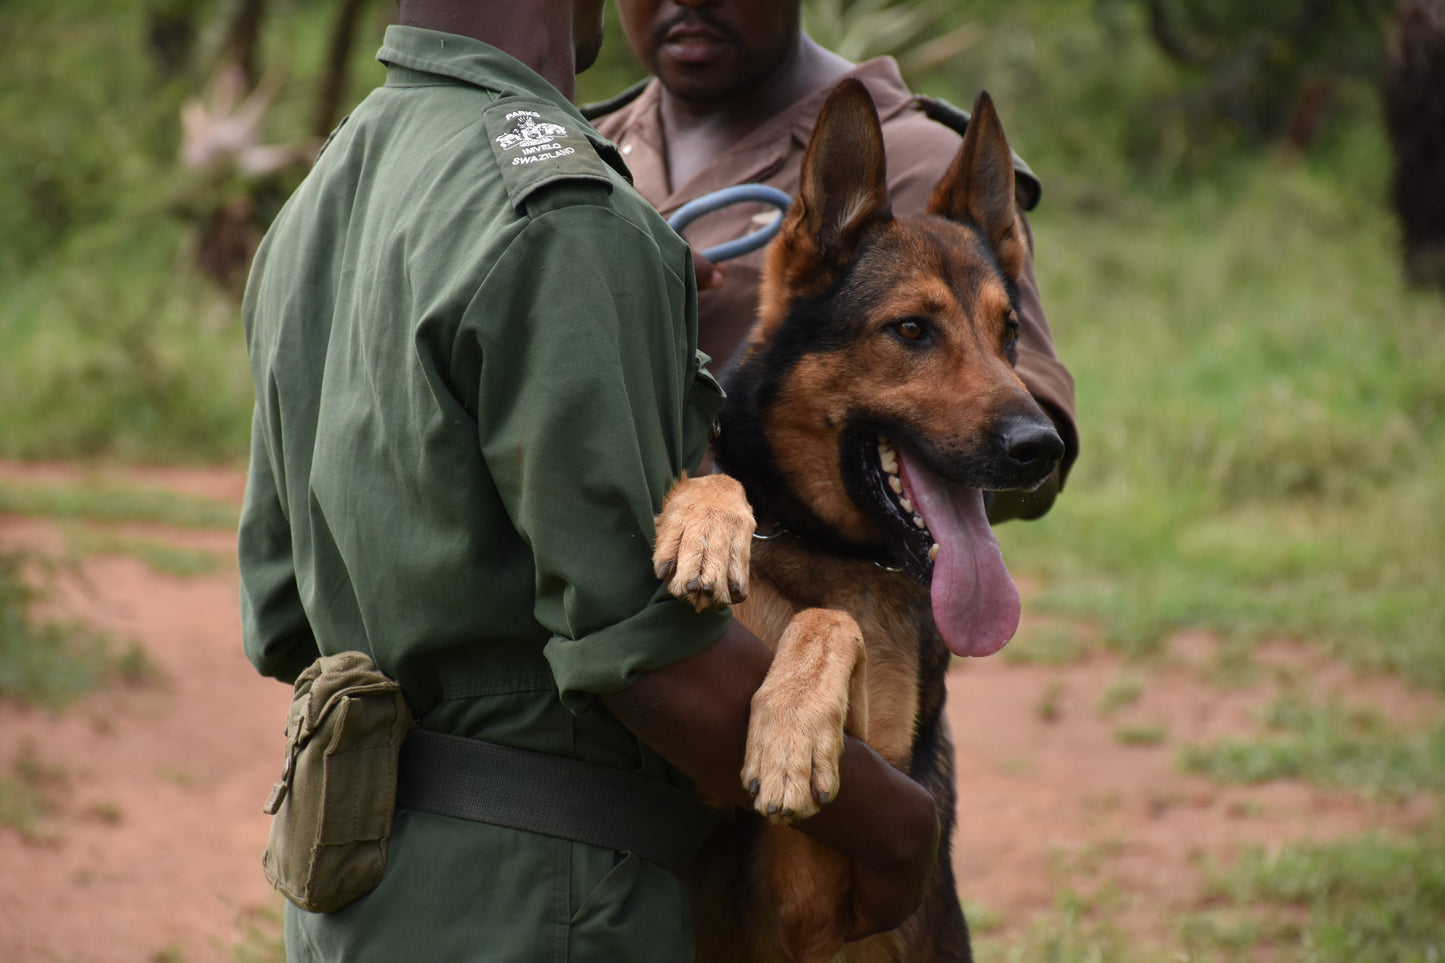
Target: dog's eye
{"points": [[1011, 331], [910, 329]]}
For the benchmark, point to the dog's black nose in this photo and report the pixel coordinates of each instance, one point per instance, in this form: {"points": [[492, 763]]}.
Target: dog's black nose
{"points": [[1031, 445]]}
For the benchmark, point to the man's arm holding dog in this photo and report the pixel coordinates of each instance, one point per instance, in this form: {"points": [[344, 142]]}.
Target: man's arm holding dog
{"points": [[695, 714], [702, 550]]}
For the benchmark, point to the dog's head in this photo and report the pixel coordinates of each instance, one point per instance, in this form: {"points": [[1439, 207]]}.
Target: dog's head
{"points": [[878, 384]]}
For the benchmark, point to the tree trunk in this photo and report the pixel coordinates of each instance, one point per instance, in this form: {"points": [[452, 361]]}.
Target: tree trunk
{"points": [[243, 40], [171, 35], [1414, 94], [338, 60]]}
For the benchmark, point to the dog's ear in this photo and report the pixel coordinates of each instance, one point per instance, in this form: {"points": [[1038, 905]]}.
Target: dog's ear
{"points": [[843, 190], [979, 187]]}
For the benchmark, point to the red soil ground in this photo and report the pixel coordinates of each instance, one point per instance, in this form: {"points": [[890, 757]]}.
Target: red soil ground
{"points": [[151, 849]]}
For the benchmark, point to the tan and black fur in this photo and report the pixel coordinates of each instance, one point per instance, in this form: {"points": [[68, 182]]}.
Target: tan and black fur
{"points": [[870, 327]]}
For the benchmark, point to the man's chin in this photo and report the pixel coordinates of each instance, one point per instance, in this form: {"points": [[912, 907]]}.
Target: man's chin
{"points": [[700, 84]]}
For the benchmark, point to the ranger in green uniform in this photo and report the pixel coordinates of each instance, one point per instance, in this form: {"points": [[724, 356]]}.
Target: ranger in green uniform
{"points": [[473, 347]]}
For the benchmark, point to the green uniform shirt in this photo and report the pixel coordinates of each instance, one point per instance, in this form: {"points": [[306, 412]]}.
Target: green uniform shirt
{"points": [[474, 352]]}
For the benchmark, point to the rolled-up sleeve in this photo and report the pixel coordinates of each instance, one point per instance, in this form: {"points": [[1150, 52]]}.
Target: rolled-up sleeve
{"points": [[583, 420]]}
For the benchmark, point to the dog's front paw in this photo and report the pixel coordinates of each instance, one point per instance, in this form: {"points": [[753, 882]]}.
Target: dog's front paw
{"points": [[791, 766], [704, 541], [795, 733]]}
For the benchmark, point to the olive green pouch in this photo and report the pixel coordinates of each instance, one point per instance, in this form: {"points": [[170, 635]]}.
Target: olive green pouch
{"points": [[331, 812]]}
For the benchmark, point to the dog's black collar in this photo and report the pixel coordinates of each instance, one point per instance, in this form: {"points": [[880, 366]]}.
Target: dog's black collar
{"points": [[832, 544], [778, 531]]}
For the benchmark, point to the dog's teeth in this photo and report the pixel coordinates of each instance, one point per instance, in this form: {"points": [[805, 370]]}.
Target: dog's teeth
{"points": [[933, 552], [907, 505], [888, 460], [918, 520], [895, 483]]}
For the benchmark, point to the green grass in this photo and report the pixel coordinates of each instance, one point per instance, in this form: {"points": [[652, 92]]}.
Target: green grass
{"points": [[117, 504], [1057, 644], [981, 919], [1066, 940], [51, 663], [1047, 708], [263, 940], [1341, 746], [108, 353], [1078, 929], [1073, 933], [113, 344], [114, 504], [1373, 897], [26, 794], [1260, 408], [159, 556], [1123, 691], [1141, 734]]}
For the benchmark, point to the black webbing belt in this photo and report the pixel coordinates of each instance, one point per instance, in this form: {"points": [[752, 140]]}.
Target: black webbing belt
{"points": [[451, 775]]}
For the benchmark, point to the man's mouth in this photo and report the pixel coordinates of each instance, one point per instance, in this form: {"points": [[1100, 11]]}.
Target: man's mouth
{"points": [[691, 41]]}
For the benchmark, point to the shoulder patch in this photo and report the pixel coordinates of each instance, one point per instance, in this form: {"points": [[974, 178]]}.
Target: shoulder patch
{"points": [[536, 144]]}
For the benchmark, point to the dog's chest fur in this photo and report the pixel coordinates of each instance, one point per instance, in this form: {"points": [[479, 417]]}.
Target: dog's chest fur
{"points": [[905, 655]]}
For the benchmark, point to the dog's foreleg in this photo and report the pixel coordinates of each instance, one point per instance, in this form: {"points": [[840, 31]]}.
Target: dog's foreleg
{"points": [[795, 733], [812, 887], [704, 541]]}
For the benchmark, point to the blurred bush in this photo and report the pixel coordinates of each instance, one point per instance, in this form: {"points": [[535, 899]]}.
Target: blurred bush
{"points": [[120, 263]]}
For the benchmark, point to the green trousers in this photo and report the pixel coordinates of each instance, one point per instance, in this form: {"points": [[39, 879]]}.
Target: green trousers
{"points": [[456, 891]]}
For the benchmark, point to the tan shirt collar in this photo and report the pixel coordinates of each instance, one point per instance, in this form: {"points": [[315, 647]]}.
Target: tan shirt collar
{"points": [[637, 128]]}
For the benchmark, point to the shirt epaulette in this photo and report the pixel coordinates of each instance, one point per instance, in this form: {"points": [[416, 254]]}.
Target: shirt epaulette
{"points": [[601, 108], [329, 138], [536, 144]]}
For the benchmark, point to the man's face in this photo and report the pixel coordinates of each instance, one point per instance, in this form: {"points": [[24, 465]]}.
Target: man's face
{"points": [[588, 19], [705, 51]]}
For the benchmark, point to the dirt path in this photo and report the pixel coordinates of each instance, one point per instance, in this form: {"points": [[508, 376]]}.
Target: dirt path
{"points": [[1050, 797], [151, 851]]}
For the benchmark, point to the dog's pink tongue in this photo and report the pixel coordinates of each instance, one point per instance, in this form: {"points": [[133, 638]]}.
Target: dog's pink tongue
{"points": [[975, 602]]}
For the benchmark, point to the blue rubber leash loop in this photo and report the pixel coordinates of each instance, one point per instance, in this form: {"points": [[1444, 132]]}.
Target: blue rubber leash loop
{"points": [[727, 197]]}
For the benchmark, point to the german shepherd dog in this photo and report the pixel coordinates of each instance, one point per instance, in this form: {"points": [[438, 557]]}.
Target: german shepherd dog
{"points": [[873, 405]]}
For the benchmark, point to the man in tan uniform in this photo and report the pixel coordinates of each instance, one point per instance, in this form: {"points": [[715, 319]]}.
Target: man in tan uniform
{"points": [[736, 87]]}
